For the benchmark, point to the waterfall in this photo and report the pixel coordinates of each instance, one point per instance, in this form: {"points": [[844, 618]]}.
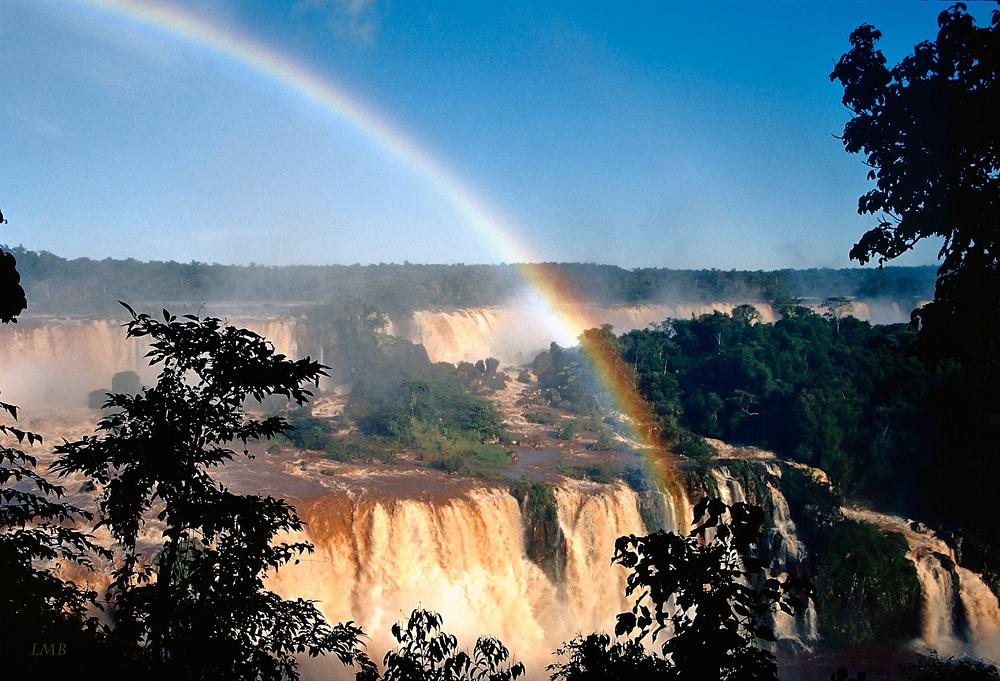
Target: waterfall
{"points": [[730, 489], [55, 362], [463, 555], [787, 551], [515, 334], [960, 614]]}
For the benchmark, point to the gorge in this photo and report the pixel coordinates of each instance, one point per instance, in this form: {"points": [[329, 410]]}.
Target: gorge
{"points": [[392, 537]]}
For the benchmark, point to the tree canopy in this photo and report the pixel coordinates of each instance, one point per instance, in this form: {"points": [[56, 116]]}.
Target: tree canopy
{"points": [[928, 129]]}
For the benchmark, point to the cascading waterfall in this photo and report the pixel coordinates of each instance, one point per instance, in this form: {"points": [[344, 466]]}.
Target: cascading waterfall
{"points": [[515, 334], [787, 551], [463, 555], [960, 615], [730, 489]]}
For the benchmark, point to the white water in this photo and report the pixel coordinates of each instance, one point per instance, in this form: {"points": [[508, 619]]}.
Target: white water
{"points": [[789, 551], [48, 362], [464, 556], [514, 335], [942, 613], [791, 631]]}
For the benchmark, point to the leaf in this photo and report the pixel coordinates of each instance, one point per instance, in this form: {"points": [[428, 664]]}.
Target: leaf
{"points": [[765, 633], [626, 624]]}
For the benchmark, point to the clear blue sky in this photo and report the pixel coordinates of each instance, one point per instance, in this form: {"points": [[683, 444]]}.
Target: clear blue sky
{"points": [[678, 134]]}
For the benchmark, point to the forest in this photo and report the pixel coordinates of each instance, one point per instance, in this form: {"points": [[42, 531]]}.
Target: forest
{"points": [[55, 285]]}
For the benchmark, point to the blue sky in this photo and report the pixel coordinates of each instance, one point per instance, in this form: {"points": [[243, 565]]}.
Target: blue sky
{"points": [[677, 134]]}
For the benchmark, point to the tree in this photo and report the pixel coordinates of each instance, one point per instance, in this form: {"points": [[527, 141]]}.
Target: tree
{"points": [[928, 129], [426, 653], [595, 658], [837, 307], [197, 608], [38, 607], [12, 300], [710, 593]]}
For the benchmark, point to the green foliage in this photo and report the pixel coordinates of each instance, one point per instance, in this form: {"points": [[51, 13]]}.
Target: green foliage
{"points": [[544, 540], [849, 401], [400, 400], [342, 449], [538, 501], [544, 417], [867, 590], [396, 386], [605, 443], [865, 587], [201, 613], [468, 457], [566, 379], [699, 590], [426, 653], [701, 454], [308, 432], [603, 472], [569, 429]]}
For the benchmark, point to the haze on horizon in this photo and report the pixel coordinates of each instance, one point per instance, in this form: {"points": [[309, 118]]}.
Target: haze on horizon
{"points": [[684, 135]]}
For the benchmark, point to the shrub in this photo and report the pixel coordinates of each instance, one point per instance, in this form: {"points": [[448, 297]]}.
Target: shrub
{"points": [[569, 429]]}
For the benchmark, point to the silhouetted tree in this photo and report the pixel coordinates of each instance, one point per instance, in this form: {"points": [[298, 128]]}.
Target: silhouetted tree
{"points": [[196, 607], [38, 608], [928, 128], [595, 658], [12, 300], [933, 668], [426, 653], [709, 592]]}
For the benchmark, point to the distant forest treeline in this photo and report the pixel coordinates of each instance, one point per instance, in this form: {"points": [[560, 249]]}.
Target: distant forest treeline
{"points": [[55, 285]]}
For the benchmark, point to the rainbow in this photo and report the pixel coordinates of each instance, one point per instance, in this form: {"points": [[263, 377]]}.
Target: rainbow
{"points": [[556, 295]]}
